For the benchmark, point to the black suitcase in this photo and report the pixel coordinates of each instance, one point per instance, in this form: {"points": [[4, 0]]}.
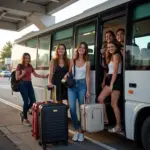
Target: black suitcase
{"points": [[53, 124]]}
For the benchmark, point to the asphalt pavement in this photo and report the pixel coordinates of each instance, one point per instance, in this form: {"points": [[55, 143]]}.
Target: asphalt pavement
{"points": [[5, 143]]}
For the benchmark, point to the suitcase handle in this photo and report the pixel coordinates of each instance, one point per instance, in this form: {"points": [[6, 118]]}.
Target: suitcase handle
{"points": [[48, 88], [53, 89]]}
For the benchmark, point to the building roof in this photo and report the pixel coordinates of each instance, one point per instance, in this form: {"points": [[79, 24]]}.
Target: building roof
{"points": [[14, 14]]}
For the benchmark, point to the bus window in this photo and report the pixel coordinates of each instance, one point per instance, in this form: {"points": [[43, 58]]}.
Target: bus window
{"points": [[43, 51], [139, 52], [113, 25], [29, 46], [86, 33], [65, 37]]}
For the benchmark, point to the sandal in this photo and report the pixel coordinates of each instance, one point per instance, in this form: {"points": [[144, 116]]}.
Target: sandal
{"points": [[115, 130]]}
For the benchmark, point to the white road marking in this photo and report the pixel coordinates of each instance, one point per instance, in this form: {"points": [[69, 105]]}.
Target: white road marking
{"points": [[71, 131], [5, 86]]}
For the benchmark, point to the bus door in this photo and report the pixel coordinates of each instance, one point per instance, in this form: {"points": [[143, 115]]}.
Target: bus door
{"points": [[112, 23]]}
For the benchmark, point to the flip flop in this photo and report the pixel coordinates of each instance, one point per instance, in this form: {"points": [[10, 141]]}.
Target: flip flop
{"points": [[115, 130]]}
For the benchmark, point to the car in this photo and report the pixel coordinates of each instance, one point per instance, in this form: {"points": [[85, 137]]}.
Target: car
{"points": [[5, 74]]}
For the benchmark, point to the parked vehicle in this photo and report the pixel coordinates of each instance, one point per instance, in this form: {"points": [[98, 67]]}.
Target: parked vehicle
{"points": [[5, 74]]}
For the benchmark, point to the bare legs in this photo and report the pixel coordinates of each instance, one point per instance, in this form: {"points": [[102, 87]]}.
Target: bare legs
{"points": [[114, 103], [105, 93]]}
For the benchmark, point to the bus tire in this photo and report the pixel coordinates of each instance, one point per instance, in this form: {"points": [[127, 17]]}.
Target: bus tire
{"points": [[145, 134]]}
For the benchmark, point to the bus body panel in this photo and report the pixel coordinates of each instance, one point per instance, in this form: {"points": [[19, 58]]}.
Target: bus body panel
{"points": [[137, 86], [131, 112]]}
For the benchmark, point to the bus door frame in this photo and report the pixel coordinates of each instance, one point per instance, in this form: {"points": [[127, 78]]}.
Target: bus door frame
{"points": [[120, 11]]}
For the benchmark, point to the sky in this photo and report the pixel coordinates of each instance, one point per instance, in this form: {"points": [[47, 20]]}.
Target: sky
{"points": [[61, 15]]}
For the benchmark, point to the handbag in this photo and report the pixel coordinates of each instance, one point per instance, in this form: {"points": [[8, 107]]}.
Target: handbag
{"points": [[70, 81]]}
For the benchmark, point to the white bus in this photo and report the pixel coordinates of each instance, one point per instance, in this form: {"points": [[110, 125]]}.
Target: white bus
{"points": [[90, 27]]}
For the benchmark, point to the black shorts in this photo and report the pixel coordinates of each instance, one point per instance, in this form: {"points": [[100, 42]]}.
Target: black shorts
{"points": [[117, 84]]}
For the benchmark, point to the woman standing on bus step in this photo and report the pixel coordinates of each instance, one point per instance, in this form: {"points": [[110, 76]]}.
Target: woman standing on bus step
{"points": [[120, 35], [113, 82], [109, 37], [26, 88], [81, 87], [59, 67]]}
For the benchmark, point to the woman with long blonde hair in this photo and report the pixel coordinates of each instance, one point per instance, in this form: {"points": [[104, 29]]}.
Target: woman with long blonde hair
{"points": [[59, 67], [81, 87], [113, 82]]}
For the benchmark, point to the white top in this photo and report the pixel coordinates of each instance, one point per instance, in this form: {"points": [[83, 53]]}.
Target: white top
{"points": [[80, 72], [111, 67]]}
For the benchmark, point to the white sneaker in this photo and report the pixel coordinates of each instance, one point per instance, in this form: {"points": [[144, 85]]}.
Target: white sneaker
{"points": [[76, 136], [81, 137]]}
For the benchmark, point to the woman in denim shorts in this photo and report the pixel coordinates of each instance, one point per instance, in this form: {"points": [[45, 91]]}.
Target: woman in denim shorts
{"points": [[81, 87]]}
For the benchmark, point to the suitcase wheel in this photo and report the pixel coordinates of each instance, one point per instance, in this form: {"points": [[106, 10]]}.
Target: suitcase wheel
{"points": [[40, 143], [44, 147], [65, 143]]}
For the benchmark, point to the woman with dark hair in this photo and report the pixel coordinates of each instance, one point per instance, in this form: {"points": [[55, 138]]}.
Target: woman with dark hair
{"points": [[59, 67], [113, 82], [23, 73], [120, 35], [81, 87]]}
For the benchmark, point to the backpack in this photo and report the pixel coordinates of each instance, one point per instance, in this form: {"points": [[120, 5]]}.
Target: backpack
{"points": [[14, 82]]}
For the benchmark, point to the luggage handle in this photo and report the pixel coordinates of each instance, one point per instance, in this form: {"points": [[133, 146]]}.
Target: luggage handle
{"points": [[47, 88]]}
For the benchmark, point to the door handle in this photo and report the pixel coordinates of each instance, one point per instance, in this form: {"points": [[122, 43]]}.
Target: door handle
{"points": [[132, 85]]}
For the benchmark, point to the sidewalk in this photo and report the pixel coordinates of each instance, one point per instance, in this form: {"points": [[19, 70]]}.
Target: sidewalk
{"points": [[10, 125], [21, 135], [5, 143]]}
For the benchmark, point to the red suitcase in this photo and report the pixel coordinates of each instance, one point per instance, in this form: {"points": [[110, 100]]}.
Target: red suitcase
{"points": [[35, 113]]}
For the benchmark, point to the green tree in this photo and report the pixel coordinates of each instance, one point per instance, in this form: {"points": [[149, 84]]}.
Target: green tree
{"points": [[6, 51]]}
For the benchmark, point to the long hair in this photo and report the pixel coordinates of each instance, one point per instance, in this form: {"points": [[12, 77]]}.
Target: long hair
{"points": [[65, 58], [23, 58], [109, 55], [86, 55], [112, 34], [121, 29]]}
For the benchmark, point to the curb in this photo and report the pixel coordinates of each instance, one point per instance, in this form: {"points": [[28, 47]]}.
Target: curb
{"points": [[13, 138]]}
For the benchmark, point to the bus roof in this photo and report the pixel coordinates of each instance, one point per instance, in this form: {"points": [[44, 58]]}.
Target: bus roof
{"points": [[94, 10]]}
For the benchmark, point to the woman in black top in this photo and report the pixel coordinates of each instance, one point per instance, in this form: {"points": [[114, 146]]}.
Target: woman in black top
{"points": [[59, 67]]}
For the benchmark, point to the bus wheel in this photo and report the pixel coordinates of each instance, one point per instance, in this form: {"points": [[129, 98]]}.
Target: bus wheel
{"points": [[145, 134]]}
